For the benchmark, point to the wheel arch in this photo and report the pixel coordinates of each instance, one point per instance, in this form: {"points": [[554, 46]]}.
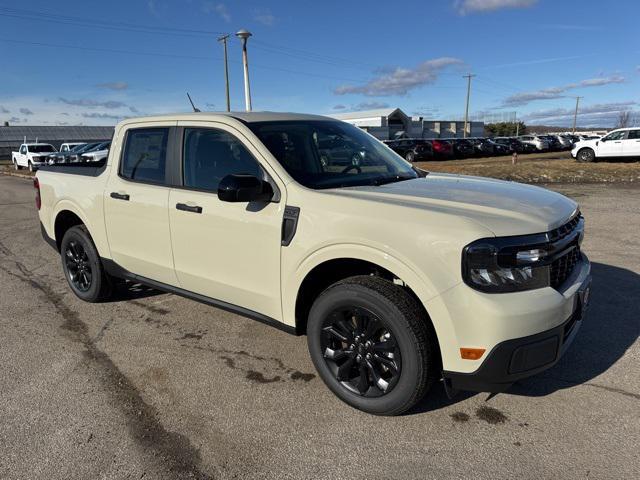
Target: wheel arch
{"points": [[336, 263]]}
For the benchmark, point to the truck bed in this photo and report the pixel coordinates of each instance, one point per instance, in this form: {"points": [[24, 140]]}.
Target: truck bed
{"points": [[87, 169]]}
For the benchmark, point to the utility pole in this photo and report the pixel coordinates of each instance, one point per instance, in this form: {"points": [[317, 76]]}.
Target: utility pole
{"points": [[243, 35], [575, 115], [223, 39], [517, 126], [466, 111]]}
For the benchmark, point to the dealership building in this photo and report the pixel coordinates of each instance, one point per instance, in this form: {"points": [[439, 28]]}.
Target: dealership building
{"points": [[11, 137], [389, 123]]}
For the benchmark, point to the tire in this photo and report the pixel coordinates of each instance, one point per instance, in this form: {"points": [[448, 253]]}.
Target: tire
{"points": [[401, 338], [31, 166], [80, 261], [16, 166], [410, 157], [586, 155]]}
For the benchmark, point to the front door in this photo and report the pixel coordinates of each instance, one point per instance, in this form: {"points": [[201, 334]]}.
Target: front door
{"points": [[225, 251], [611, 145], [136, 204]]}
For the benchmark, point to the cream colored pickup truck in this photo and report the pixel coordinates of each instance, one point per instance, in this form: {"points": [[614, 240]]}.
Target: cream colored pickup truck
{"points": [[399, 278]]}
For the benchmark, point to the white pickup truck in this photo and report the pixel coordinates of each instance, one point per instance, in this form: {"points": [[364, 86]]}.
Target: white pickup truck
{"points": [[32, 155], [398, 277]]}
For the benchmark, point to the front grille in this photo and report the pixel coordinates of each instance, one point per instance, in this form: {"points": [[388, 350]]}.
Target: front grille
{"points": [[562, 267]]}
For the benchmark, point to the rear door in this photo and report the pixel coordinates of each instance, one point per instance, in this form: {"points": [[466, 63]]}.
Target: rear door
{"points": [[611, 145], [225, 251], [631, 145], [136, 204]]}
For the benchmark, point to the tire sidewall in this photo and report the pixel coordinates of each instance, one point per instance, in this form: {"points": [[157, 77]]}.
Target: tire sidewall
{"points": [[354, 295], [81, 236]]}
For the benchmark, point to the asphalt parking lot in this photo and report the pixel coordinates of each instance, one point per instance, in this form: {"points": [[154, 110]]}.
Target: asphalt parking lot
{"points": [[157, 386]]}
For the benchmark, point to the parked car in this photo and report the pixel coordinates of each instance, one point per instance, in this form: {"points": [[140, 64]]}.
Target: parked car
{"points": [[462, 148], [74, 157], [442, 149], [97, 153], [31, 155], [412, 150], [65, 147], [398, 278], [623, 142], [552, 142], [482, 147], [539, 144], [66, 156], [513, 144], [499, 148]]}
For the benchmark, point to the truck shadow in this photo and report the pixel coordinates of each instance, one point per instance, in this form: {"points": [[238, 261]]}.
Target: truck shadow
{"points": [[610, 327]]}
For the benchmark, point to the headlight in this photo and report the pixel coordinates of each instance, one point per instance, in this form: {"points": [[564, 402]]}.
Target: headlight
{"points": [[490, 266]]}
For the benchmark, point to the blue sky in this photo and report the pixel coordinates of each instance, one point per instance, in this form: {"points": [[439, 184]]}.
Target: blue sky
{"points": [[92, 63]]}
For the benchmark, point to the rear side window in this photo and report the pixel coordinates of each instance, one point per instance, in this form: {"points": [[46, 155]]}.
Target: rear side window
{"points": [[145, 155], [210, 155], [634, 134]]}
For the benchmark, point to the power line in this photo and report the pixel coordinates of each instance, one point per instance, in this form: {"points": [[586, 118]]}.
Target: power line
{"points": [[32, 15]]}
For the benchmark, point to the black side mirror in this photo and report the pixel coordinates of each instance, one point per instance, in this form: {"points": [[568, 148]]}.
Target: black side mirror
{"points": [[244, 188]]}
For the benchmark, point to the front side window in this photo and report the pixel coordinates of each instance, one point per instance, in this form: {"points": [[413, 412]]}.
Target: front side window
{"points": [[145, 155], [330, 154], [210, 155], [616, 135]]}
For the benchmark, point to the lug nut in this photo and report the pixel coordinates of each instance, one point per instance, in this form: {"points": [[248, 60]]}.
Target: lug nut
{"points": [[368, 356], [359, 358]]}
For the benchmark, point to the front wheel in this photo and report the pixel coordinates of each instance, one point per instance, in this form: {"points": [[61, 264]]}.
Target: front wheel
{"points": [[410, 157], [82, 266], [371, 345], [31, 169], [586, 155]]}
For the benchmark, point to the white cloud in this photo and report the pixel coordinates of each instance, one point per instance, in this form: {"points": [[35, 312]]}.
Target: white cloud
{"points": [[524, 98], [218, 8], [400, 81], [26, 111], [4, 110], [599, 114], [265, 17], [473, 6], [114, 85], [91, 103]]}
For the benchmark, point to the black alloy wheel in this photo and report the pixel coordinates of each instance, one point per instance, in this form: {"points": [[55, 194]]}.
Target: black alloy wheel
{"points": [[410, 157], [78, 266], [586, 155], [361, 352]]}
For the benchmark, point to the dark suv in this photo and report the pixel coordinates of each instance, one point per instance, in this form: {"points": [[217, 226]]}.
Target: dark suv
{"points": [[462, 148], [411, 149]]}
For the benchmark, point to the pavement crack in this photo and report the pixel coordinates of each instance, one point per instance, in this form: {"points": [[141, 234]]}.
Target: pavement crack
{"points": [[173, 449]]}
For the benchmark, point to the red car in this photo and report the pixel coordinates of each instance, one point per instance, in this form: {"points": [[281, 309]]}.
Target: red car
{"points": [[442, 149]]}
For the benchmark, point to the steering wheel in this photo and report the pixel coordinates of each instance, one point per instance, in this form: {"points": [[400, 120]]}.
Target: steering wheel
{"points": [[351, 167]]}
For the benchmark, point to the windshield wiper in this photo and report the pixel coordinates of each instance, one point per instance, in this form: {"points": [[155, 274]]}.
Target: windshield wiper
{"points": [[393, 179]]}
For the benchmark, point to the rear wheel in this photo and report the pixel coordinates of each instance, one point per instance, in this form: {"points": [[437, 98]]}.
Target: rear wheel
{"points": [[371, 345], [82, 266], [16, 166], [586, 155]]}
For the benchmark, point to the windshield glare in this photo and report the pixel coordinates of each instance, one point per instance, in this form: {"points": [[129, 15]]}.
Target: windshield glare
{"points": [[331, 154]]}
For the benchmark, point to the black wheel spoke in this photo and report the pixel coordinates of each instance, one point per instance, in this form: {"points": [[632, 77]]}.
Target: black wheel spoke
{"points": [[345, 369], [331, 330], [360, 351], [78, 265], [363, 380], [390, 364]]}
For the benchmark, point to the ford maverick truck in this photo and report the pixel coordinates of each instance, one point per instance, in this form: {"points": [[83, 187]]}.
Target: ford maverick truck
{"points": [[398, 277]]}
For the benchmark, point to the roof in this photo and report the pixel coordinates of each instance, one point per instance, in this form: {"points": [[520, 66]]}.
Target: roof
{"points": [[380, 112], [16, 133], [247, 117]]}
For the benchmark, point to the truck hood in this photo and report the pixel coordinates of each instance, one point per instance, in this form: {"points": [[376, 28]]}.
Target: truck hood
{"points": [[505, 208]]}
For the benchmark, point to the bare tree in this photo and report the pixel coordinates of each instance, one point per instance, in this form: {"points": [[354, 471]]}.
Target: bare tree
{"points": [[625, 119]]}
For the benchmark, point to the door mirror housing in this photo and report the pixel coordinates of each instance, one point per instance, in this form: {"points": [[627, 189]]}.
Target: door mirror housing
{"points": [[244, 188]]}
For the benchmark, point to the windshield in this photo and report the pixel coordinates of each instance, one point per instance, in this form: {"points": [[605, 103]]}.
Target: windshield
{"points": [[330, 154], [77, 148], [41, 148]]}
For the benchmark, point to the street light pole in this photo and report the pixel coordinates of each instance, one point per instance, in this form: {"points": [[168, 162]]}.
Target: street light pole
{"points": [[223, 39], [243, 35], [575, 115], [466, 111]]}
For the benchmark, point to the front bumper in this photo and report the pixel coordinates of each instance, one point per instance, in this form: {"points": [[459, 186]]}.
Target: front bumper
{"points": [[523, 357]]}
